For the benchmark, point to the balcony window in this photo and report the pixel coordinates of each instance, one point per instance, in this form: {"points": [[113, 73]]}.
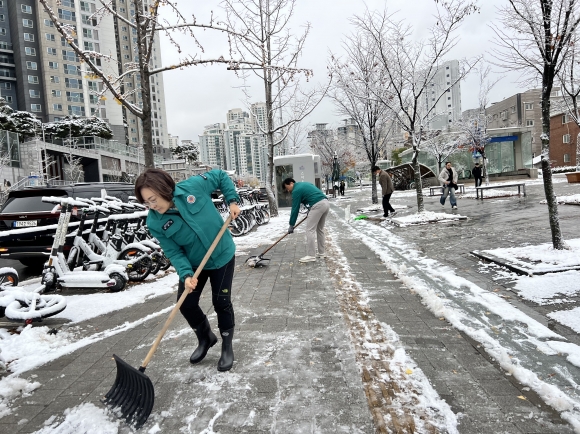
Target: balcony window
{"points": [[56, 93], [48, 23], [76, 110], [70, 56], [53, 65], [30, 51], [31, 65], [75, 97], [71, 69], [3, 31], [49, 37], [35, 108], [87, 33], [73, 83], [27, 23], [34, 93], [57, 107], [29, 37], [68, 3], [63, 14], [26, 9], [51, 51], [54, 79]]}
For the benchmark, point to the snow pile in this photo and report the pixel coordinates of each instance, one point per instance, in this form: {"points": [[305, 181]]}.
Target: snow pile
{"points": [[490, 193], [570, 318], [573, 199], [425, 217], [86, 418], [13, 387], [541, 258], [549, 288]]}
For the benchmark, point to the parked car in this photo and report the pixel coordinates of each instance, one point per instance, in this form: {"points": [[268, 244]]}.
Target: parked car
{"points": [[24, 209]]}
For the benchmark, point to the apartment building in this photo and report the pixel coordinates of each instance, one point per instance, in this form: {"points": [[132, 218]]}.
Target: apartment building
{"points": [[443, 96], [211, 146], [40, 73], [563, 140]]}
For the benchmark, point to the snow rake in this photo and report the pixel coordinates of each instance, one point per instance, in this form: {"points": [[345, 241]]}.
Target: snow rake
{"points": [[132, 395], [256, 261]]}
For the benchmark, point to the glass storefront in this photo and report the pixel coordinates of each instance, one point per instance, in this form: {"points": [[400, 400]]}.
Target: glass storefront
{"points": [[500, 157]]}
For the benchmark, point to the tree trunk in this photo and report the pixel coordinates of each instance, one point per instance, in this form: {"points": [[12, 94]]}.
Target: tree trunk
{"points": [[375, 196], [557, 241], [418, 185], [270, 139]]}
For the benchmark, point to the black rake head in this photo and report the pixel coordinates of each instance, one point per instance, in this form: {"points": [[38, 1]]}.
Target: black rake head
{"points": [[132, 395]]}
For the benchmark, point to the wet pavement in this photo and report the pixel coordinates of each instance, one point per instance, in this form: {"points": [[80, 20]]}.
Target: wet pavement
{"points": [[300, 366]]}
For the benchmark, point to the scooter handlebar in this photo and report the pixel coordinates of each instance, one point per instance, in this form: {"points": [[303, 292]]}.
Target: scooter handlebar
{"points": [[63, 201]]}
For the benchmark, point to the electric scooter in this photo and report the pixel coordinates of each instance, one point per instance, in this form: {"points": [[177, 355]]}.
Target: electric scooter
{"points": [[134, 259], [56, 271]]}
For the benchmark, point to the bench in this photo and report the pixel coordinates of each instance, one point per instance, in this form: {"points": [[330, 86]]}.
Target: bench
{"points": [[520, 185], [432, 190]]}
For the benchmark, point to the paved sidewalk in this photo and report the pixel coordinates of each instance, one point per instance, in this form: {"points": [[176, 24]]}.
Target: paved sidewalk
{"points": [[298, 368]]}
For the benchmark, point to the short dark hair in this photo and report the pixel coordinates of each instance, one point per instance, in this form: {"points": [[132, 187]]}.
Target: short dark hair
{"points": [[375, 168], [157, 180], [288, 181], [447, 162]]}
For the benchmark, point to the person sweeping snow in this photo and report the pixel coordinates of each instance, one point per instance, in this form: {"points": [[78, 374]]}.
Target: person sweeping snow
{"points": [[185, 221], [309, 195]]}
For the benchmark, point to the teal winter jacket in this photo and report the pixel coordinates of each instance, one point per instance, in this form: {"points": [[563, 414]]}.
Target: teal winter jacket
{"points": [[306, 193], [186, 233]]}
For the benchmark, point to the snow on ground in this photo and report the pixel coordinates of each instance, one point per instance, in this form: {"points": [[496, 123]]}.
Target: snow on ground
{"points": [[265, 234], [415, 393], [573, 199], [541, 258], [522, 346], [425, 217], [11, 388], [551, 288], [570, 318], [471, 193], [86, 418]]}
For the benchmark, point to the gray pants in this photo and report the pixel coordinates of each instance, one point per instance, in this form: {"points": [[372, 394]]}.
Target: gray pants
{"points": [[315, 227]]}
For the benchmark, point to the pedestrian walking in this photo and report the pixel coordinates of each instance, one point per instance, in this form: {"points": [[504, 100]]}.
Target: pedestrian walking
{"points": [[387, 190], [182, 217], [477, 175], [309, 195], [342, 188], [448, 177]]}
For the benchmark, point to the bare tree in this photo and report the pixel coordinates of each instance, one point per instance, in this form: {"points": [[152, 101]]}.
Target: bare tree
{"points": [[297, 134], [261, 34], [147, 25], [535, 37], [325, 143], [443, 144], [410, 67], [358, 79]]}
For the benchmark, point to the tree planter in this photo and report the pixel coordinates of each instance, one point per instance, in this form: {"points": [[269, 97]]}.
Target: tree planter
{"points": [[573, 177]]}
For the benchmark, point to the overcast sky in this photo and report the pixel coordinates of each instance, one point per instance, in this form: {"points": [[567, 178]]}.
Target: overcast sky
{"points": [[199, 96]]}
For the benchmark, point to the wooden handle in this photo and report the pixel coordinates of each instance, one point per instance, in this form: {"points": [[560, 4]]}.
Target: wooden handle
{"points": [[185, 294], [281, 238]]}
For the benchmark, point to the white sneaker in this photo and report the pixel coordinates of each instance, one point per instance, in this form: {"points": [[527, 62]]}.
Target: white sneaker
{"points": [[442, 205], [393, 213], [454, 207], [321, 255], [308, 259]]}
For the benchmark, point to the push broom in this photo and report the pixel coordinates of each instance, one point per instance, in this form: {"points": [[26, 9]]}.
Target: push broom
{"points": [[256, 261], [132, 391]]}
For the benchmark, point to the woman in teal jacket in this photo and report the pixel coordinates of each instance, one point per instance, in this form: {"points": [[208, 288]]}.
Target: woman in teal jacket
{"points": [[185, 221]]}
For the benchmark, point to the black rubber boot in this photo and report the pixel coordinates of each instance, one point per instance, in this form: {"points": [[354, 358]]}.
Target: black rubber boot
{"points": [[206, 340], [227, 358]]}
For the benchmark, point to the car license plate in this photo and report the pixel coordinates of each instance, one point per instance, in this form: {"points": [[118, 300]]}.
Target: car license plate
{"points": [[25, 223]]}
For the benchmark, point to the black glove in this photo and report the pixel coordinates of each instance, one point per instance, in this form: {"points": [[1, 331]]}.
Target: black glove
{"points": [[290, 229]]}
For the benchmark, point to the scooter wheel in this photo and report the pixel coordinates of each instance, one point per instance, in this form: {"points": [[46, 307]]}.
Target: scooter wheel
{"points": [[9, 279], [120, 282], [157, 258], [72, 259]]}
